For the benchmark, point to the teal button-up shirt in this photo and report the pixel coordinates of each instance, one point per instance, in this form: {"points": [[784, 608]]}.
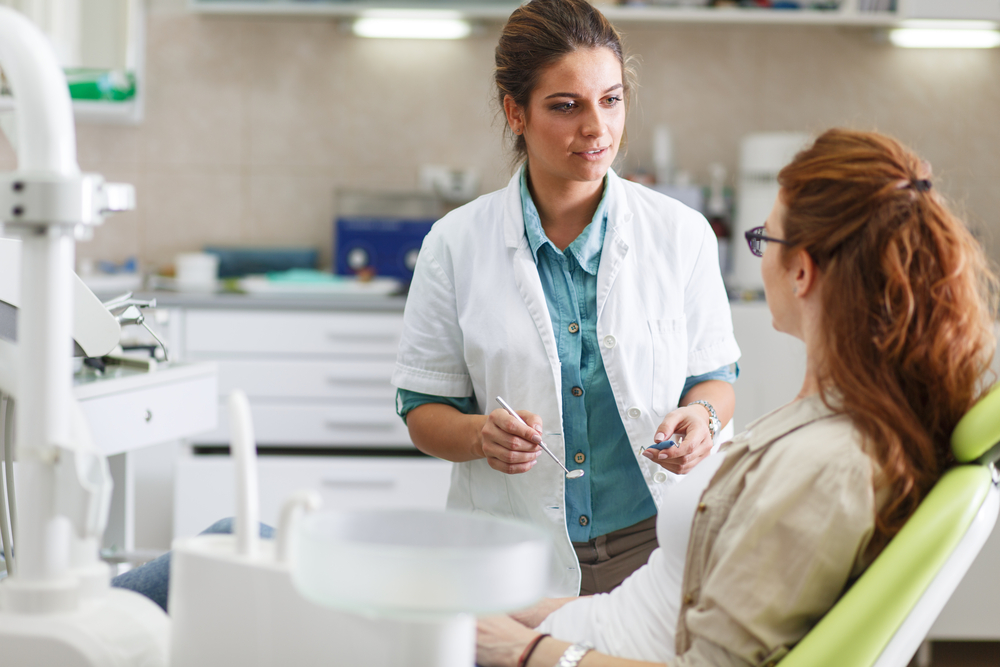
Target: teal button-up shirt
{"points": [[613, 493]]}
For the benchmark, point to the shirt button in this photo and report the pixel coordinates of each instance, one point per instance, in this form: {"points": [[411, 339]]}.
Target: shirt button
{"points": [[576, 391], [702, 507], [634, 413], [584, 520], [574, 327], [579, 458], [609, 341], [660, 477]]}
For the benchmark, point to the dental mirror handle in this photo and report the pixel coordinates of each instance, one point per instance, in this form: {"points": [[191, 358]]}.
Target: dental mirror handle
{"points": [[571, 474]]}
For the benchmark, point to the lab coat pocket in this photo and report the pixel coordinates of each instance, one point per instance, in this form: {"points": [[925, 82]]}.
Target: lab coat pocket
{"points": [[488, 490], [669, 362]]}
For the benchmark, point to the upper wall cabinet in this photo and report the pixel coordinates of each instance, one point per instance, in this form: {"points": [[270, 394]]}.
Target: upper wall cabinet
{"points": [[951, 9], [844, 12], [101, 45]]}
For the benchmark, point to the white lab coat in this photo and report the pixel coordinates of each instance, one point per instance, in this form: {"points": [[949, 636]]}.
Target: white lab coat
{"points": [[476, 323]]}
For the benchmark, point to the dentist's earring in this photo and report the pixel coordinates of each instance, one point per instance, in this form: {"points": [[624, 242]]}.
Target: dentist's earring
{"points": [[795, 291]]}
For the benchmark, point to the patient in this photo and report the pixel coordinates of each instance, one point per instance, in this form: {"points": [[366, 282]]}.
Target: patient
{"points": [[863, 262]]}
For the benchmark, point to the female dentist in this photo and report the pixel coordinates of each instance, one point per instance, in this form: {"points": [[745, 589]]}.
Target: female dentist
{"points": [[592, 304]]}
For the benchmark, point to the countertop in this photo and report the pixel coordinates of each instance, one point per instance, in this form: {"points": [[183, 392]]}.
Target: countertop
{"points": [[230, 300], [357, 302]]}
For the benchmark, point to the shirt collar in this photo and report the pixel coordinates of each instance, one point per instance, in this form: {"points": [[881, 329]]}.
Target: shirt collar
{"points": [[586, 248]]}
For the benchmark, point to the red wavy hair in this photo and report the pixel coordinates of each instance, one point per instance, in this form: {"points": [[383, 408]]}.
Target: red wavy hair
{"points": [[908, 300]]}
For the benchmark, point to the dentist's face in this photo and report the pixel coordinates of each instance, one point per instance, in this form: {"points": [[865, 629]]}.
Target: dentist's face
{"points": [[574, 121]]}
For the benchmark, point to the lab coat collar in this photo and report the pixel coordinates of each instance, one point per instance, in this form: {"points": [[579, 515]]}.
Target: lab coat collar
{"points": [[618, 237], [619, 213]]}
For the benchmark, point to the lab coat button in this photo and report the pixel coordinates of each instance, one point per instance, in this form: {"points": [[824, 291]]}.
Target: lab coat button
{"points": [[584, 520], [702, 507], [609, 341], [574, 327], [660, 477], [580, 457], [634, 413], [688, 599], [576, 391]]}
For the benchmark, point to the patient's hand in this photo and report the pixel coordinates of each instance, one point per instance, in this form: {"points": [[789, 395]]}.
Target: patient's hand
{"points": [[534, 615], [500, 641]]}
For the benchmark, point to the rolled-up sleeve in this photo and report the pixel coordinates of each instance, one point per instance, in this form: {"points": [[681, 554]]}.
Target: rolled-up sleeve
{"points": [[431, 356]]}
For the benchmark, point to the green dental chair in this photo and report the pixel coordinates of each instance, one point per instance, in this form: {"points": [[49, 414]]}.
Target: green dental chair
{"points": [[883, 618]]}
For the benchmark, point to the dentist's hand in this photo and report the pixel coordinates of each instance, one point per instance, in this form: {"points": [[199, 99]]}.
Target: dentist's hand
{"points": [[508, 445], [533, 616], [693, 437]]}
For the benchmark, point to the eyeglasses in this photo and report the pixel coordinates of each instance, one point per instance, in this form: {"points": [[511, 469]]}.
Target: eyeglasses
{"points": [[755, 237]]}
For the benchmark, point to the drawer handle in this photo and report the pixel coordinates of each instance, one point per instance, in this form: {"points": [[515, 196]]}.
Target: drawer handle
{"points": [[359, 484], [370, 382], [340, 337], [362, 426]]}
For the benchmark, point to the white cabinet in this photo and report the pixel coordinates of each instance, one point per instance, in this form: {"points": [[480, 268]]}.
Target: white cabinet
{"points": [[314, 379], [137, 409], [323, 408]]}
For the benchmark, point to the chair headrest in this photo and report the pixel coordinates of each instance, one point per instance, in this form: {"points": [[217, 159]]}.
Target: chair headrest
{"points": [[978, 432]]}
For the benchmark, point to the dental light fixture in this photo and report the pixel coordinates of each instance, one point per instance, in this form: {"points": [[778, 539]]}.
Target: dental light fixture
{"points": [[416, 24], [946, 35]]}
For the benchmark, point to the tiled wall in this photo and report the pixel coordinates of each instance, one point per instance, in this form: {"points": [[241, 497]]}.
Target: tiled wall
{"points": [[253, 123]]}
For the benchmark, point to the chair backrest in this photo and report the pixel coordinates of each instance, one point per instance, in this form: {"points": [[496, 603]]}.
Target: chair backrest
{"points": [[883, 618]]}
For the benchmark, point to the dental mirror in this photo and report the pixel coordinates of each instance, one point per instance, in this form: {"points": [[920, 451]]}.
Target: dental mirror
{"points": [[570, 474]]}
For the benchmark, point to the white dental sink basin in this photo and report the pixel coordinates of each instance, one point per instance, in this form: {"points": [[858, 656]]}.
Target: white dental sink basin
{"points": [[418, 563]]}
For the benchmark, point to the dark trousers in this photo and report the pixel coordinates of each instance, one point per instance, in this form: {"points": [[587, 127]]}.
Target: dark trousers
{"points": [[607, 560]]}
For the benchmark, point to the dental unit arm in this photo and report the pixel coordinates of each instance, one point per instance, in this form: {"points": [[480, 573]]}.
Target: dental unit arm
{"points": [[410, 581], [57, 606]]}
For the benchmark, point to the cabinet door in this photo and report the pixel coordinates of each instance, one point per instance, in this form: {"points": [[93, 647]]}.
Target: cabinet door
{"points": [[205, 487]]}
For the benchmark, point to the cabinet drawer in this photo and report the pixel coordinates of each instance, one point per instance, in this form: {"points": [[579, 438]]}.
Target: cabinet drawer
{"points": [[235, 332], [309, 379], [366, 424], [205, 485], [128, 420]]}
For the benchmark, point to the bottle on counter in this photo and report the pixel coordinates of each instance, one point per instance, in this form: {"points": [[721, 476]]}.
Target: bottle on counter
{"points": [[718, 212]]}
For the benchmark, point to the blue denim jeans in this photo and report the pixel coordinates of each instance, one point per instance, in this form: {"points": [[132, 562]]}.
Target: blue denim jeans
{"points": [[152, 579]]}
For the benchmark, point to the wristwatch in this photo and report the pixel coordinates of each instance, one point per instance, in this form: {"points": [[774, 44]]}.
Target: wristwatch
{"points": [[713, 419], [573, 655]]}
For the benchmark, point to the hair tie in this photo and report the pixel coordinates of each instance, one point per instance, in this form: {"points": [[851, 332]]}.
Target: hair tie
{"points": [[918, 184]]}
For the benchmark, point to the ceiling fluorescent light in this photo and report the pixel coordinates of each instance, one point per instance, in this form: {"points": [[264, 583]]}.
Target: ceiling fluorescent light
{"points": [[946, 35], [411, 25]]}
